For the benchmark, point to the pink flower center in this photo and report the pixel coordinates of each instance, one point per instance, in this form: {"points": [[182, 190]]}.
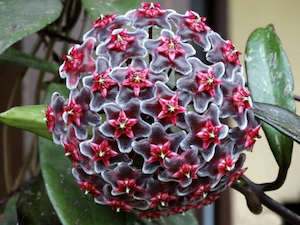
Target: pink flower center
{"points": [[74, 112], [89, 187], [160, 152], [170, 48], [120, 41], [209, 134], [123, 125], [240, 99], [196, 23], [103, 21], [151, 10], [186, 171], [170, 109], [250, 136], [50, 118], [73, 60], [161, 199], [226, 165], [127, 185], [207, 82], [103, 152], [231, 55], [137, 80], [119, 205], [201, 191], [103, 83]]}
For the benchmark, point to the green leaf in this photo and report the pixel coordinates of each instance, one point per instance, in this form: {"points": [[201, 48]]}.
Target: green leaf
{"points": [[19, 18], [270, 81], [18, 58], [33, 205], [70, 204], [30, 118], [10, 213], [97, 7], [284, 120]]}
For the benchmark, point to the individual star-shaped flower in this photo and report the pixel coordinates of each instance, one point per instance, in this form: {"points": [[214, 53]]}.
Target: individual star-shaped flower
{"points": [[240, 98], [169, 51], [224, 51], [192, 27], [125, 180], [102, 151], [236, 100], [182, 169], [78, 114], [149, 14], [136, 81], [205, 132], [123, 45], [246, 138], [102, 87], [225, 162], [54, 121], [203, 83], [89, 187], [77, 62], [124, 124], [71, 144], [104, 25], [166, 106], [157, 147], [120, 202], [89, 184]]}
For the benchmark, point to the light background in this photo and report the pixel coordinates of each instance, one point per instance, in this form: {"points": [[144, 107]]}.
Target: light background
{"points": [[244, 17]]}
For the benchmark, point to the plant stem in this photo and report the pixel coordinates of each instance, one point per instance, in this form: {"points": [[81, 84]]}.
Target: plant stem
{"points": [[150, 32], [281, 176], [246, 186]]}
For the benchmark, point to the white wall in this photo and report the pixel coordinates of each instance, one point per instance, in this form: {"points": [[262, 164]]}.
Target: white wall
{"points": [[245, 16]]}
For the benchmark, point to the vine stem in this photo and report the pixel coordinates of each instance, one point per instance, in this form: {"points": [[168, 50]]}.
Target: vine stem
{"points": [[246, 186]]}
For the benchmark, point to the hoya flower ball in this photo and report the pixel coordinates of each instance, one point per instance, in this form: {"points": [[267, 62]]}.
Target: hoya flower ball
{"points": [[168, 130]]}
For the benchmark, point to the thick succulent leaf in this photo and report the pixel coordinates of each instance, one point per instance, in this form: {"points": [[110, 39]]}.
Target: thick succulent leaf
{"points": [[97, 7], [18, 58], [270, 81], [30, 118], [69, 202], [284, 120], [19, 18], [33, 205], [10, 212]]}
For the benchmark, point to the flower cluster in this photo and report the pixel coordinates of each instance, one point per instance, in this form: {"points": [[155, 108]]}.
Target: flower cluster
{"points": [[175, 128]]}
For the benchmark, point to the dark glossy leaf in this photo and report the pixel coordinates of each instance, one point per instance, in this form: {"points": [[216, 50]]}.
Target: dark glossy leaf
{"points": [[30, 118], [284, 120], [19, 18], [97, 7], [10, 213], [18, 58], [70, 204], [270, 81], [33, 205]]}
